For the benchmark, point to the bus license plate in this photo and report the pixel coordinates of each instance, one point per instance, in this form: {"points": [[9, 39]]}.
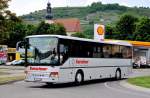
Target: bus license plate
{"points": [[37, 79]]}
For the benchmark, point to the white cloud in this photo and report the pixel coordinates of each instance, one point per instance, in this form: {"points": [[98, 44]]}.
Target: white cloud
{"points": [[26, 6], [130, 3]]}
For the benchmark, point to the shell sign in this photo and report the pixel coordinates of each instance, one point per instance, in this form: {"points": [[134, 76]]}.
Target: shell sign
{"points": [[99, 32]]}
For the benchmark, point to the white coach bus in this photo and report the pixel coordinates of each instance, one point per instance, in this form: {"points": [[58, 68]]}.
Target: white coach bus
{"points": [[63, 59]]}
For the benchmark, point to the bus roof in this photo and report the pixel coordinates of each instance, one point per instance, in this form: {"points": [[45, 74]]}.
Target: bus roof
{"points": [[83, 39]]}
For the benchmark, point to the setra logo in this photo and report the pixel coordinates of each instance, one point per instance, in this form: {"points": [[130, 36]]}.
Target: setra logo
{"points": [[38, 68]]}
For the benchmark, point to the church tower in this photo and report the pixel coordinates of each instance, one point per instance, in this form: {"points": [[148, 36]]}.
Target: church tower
{"points": [[49, 15]]}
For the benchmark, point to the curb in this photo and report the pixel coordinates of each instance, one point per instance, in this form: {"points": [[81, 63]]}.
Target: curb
{"points": [[12, 67], [134, 87], [10, 82]]}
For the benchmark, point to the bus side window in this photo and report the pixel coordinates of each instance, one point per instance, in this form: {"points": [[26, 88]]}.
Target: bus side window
{"points": [[127, 52], [107, 51], [98, 51], [117, 51], [63, 53], [61, 49], [20, 45]]}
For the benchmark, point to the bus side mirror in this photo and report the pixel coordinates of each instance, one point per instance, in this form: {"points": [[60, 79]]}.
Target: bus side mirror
{"points": [[19, 45], [22, 45]]}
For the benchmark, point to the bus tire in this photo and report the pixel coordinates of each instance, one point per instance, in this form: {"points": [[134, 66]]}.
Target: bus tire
{"points": [[79, 78], [118, 74]]}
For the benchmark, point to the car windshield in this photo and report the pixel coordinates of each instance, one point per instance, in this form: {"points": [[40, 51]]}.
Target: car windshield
{"points": [[42, 50]]}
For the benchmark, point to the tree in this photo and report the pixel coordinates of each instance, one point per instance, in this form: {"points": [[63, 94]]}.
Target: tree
{"points": [[60, 30], [109, 31], [89, 31], [3, 4], [126, 26], [17, 33], [45, 28], [142, 32], [98, 6], [9, 29], [3, 29], [42, 28], [12, 16], [7, 22], [78, 34], [30, 29]]}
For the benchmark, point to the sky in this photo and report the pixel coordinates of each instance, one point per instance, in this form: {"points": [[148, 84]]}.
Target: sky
{"points": [[21, 7]]}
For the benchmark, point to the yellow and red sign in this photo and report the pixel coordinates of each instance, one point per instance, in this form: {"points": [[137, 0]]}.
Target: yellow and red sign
{"points": [[99, 32]]}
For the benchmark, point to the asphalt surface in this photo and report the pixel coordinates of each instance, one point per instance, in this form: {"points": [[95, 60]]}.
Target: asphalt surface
{"points": [[94, 89]]}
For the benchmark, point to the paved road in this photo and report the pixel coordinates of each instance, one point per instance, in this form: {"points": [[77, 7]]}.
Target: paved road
{"points": [[95, 89]]}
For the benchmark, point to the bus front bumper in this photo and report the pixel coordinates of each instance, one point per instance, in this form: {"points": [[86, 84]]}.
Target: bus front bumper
{"points": [[41, 78]]}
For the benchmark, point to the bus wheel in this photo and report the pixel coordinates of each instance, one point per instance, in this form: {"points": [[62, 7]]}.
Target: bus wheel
{"points": [[118, 74], [79, 78]]}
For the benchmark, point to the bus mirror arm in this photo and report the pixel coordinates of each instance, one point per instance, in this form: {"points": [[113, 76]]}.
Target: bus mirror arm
{"points": [[25, 43]]}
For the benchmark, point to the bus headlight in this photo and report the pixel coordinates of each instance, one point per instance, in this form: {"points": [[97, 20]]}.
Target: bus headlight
{"points": [[54, 74]]}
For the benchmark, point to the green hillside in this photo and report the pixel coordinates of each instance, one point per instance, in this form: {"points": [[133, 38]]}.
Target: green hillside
{"points": [[96, 13]]}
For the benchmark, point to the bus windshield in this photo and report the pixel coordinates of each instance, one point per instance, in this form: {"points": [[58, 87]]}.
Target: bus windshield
{"points": [[42, 50]]}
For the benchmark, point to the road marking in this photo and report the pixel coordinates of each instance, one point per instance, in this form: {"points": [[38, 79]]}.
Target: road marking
{"points": [[123, 91]]}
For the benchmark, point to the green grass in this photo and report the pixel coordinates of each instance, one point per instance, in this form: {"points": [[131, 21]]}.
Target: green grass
{"points": [[6, 77], [4, 80], [140, 81]]}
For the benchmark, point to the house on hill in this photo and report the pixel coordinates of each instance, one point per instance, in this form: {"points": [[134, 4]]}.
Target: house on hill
{"points": [[72, 25]]}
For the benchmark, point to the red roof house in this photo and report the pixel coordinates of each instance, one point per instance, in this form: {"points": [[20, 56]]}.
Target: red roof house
{"points": [[72, 25]]}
